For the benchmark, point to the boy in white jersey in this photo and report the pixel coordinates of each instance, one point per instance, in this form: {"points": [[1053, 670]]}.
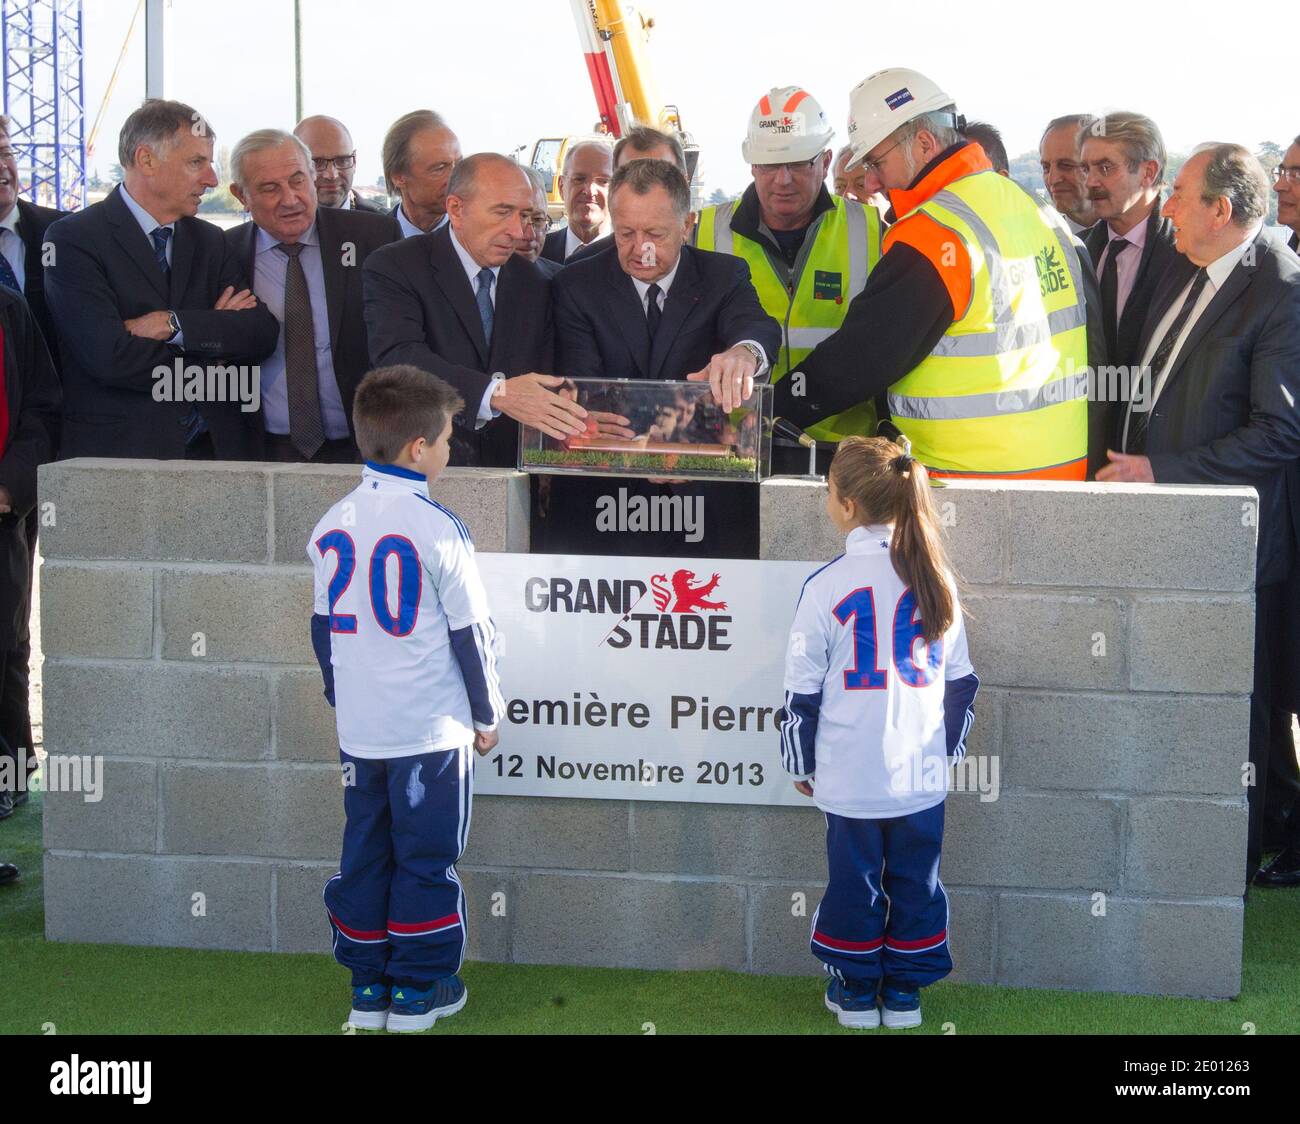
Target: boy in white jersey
{"points": [[407, 649], [879, 690]]}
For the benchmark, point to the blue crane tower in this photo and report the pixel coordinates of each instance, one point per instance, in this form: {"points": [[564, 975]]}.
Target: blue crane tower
{"points": [[44, 96]]}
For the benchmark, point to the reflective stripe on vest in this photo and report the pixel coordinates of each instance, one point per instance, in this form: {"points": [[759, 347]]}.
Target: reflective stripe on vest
{"points": [[845, 244], [1005, 391]]}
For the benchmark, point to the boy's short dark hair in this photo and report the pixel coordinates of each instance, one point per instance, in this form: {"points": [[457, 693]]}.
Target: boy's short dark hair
{"points": [[395, 405]]}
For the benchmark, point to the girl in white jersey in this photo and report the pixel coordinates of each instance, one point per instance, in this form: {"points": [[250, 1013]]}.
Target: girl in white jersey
{"points": [[879, 691]]}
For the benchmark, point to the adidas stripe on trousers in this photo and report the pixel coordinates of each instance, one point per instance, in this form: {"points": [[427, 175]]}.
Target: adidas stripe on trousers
{"points": [[396, 906]]}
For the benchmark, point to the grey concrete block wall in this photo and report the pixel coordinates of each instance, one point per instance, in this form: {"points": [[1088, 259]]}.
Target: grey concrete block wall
{"points": [[1116, 665]]}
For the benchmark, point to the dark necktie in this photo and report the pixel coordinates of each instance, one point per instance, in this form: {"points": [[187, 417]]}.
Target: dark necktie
{"points": [[653, 313], [160, 236], [306, 429], [1110, 297], [483, 297], [1140, 421], [7, 275]]}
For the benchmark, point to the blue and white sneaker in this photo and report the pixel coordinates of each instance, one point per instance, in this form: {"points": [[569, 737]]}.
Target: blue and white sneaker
{"points": [[419, 1010], [902, 1008], [854, 1007], [369, 1007]]}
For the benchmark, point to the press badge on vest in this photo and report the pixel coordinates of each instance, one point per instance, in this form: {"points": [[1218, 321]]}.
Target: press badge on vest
{"points": [[827, 286]]}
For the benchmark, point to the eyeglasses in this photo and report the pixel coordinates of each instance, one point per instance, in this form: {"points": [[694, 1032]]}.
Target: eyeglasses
{"points": [[794, 169], [341, 163], [872, 167], [541, 223], [1105, 168], [1291, 174]]}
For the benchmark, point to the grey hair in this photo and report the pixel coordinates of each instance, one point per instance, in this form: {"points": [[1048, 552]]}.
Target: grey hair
{"points": [[940, 124], [155, 125], [575, 149], [259, 141], [534, 177], [397, 141], [1233, 173], [641, 176], [643, 138], [464, 176], [1137, 135], [843, 155], [1079, 122], [6, 124]]}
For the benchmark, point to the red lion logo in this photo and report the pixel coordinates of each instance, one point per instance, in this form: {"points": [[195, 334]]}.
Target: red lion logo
{"points": [[689, 597]]}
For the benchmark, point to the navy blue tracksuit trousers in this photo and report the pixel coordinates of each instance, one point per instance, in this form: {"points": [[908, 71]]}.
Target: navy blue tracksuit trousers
{"points": [[885, 912], [396, 906]]}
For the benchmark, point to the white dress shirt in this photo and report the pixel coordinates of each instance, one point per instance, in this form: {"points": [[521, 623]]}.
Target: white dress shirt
{"points": [[665, 283], [472, 270], [1217, 273], [572, 243], [11, 245]]}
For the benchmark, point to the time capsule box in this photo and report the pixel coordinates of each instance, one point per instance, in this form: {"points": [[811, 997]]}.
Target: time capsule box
{"points": [[652, 428]]}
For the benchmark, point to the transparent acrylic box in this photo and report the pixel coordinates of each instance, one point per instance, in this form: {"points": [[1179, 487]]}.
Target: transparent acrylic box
{"points": [[677, 431]]}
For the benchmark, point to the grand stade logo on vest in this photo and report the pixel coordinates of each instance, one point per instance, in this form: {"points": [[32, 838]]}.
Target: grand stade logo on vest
{"points": [[688, 615]]}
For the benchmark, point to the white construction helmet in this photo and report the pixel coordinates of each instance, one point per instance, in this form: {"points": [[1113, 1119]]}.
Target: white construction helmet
{"points": [[883, 101], [788, 124]]}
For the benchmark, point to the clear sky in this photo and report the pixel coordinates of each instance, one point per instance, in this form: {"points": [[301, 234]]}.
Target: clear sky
{"points": [[505, 72]]}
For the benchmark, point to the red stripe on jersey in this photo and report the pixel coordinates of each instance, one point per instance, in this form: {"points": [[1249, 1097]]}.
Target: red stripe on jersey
{"points": [[416, 928], [847, 946], [922, 944]]}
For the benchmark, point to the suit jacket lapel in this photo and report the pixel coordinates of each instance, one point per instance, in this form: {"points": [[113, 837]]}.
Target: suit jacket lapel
{"points": [[331, 260], [135, 244], [678, 305], [627, 312], [183, 239], [449, 275]]}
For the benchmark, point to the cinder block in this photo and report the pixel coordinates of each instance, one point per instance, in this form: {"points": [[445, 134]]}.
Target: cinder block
{"points": [[1141, 947], [305, 729], [729, 839], [1070, 538], [97, 611], [157, 710], [628, 922], [301, 924], [1126, 743], [973, 516], [156, 900], [1046, 640], [780, 923], [543, 832], [792, 522], [257, 616], [1062, 842], [492, 502], [1186, 848], [201, 511], [1204, 644], [121, 814], [281, 811], [986, 733], [970, 935], [490, 898]]}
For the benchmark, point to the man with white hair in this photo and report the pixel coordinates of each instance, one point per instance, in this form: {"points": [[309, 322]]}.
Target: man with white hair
{"points": [[584, 187], [305, 262]]}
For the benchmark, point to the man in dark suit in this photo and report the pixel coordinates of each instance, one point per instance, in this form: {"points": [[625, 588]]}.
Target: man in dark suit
{"points": [[1133, 247], [139, 287], [584, 187], [29, 418], [530, 249], [462, 304], [1221, 355], [334, 161], [657, 308], [305, 262], [419, 153]]}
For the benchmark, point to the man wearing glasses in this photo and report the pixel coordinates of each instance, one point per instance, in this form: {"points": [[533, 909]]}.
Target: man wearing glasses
{"points": [[1286, 183], [334, 158], [539, 225], [981, 357], [584, 187], [419, 153], [809, 252]]}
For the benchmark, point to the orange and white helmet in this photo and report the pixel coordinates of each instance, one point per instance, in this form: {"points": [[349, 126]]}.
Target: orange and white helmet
{"points": [[788, 124], [883, 101]]}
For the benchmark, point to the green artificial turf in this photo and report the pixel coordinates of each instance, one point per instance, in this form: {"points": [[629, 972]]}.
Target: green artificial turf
{"points": [[118, 989]]}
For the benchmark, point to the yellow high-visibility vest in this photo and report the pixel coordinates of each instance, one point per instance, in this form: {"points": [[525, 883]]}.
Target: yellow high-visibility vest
{"points": [[840, 249], [1005, 392]]}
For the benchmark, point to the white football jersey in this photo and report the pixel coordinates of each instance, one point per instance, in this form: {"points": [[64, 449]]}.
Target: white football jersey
{"points": [[395, 573], [880, 748]]}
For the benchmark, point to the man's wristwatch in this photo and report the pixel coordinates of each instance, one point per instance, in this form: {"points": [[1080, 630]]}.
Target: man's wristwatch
{"points": [[174, 323], [760, 359]]}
